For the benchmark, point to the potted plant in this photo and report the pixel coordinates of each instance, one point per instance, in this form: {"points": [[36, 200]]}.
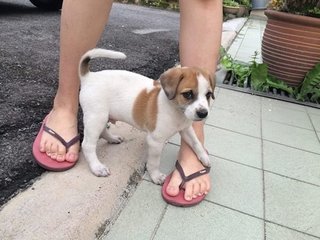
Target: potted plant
{"points": [[230, 7], [291, 41], [244, 7]]}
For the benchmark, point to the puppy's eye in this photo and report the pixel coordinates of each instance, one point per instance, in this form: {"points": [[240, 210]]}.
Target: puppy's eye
{"points": [[209, 94], [188, 95]]}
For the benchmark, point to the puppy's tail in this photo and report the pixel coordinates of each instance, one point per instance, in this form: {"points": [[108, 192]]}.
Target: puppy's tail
{"points": [[97, 53]]}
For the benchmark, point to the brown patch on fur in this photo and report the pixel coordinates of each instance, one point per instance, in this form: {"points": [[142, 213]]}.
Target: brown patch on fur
{"points": [[178, 80], [84, 66], [170, 81], [189, 82], [182, 79], [145, 109], [156, 83], [209, 76]]}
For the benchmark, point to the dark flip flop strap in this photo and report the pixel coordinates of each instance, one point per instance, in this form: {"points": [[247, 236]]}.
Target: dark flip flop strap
{"points": [[57, 136], [191, 176], [181, 172]]}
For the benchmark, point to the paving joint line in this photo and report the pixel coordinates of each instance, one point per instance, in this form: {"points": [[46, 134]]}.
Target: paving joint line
{"points": [[156, 228], [290, 125], [226, 129], [291, 178], [282, 144], [259, 218], [263, 177], [315, 130]]}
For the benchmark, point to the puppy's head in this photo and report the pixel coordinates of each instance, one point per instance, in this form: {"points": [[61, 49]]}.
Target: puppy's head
{"points": [[192, 89]]}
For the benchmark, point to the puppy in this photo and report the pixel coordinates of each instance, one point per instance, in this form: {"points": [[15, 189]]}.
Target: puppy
{"points": [[161, 108]]}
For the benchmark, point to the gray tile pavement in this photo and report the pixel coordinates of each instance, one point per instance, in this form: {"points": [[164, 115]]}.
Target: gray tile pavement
{"points": [[265, 173]]}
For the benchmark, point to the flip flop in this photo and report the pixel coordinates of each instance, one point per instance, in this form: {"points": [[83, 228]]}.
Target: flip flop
{"points": [[43, 159], [179, 200]]}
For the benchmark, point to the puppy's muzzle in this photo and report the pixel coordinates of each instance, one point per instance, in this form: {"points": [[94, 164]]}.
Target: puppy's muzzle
{"points": [[202, 113]]}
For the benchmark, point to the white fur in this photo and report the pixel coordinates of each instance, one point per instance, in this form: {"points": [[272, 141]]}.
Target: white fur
{"points": [[110, 94]]}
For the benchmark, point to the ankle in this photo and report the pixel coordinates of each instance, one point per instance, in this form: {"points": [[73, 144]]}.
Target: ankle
{"points": [[186, 155], [67, 106]]}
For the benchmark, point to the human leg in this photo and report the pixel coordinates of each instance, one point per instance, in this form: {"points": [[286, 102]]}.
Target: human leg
{"points": [[200, 37], [82, 23]]}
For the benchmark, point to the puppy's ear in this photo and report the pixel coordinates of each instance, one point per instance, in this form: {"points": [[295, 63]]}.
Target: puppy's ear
{"points": [[212, 80], [170, 81]]}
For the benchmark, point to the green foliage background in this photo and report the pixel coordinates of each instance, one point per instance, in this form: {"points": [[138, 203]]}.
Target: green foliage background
{"points": [[257, 74]]}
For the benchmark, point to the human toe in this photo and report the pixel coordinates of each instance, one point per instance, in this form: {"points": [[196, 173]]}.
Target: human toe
{"points": [[42, 146], [196, 190], [173, 186], [53, 151], [188, 193], [47, 148], [72, 155], [61, 154], [206, 187]]}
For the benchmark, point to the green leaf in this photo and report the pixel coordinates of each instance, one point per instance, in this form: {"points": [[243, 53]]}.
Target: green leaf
{"points": [[226, 62], [310, 85], [259, 77], [278, 84]]}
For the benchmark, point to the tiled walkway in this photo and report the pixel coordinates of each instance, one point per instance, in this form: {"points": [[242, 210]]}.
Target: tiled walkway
{"points": [[265, 173], [248, 41]]}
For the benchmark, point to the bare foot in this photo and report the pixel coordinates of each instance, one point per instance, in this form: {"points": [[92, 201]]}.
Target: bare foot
{"points": [[64, 123], [195, 187]]}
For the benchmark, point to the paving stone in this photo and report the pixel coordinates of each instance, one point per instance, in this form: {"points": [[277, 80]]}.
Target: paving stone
{"points": [[233, 101], [275, 232], [235, 121], [233, 146], [287, 116], [206, 222], [237, 186], [292, 204], [269, 103], [292, 136], [246, 55], [313, 110], [315, 121], [291, 162], [140, 216], [227, 38], [234, 25]]}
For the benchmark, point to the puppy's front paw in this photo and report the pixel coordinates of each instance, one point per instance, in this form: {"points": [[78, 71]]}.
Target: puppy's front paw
{"points": [[100, 170], [205, 160], [158, 177]]}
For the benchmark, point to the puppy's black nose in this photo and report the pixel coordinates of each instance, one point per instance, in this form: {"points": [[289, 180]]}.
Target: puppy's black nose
{"points": [[202, 113]]}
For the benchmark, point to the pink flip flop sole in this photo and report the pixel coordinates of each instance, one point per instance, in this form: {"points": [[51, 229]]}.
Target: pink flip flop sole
{"points": [[178, 200], [44, 160]]}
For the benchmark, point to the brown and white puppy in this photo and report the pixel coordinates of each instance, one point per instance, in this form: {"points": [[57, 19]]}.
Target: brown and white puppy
{"points": [[161, 108]]}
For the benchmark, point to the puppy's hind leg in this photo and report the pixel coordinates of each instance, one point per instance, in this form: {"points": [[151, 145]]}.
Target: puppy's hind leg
{"points": [[94, 124]]}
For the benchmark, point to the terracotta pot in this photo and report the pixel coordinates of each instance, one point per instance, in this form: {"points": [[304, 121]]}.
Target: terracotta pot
{"points": [[290, 45], [230, 10], [241, 11]]}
